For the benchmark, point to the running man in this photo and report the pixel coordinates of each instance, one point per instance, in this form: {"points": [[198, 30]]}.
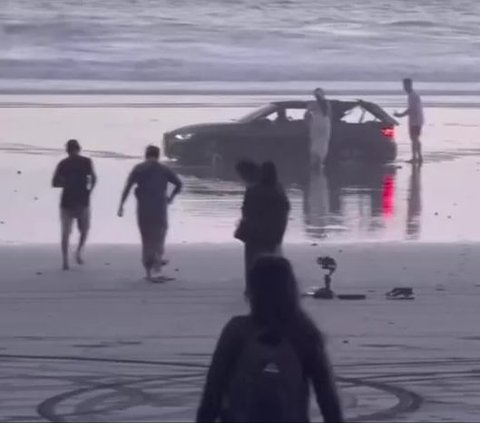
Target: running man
{"points": [[152, 179], [415, 120], [76, 176]]}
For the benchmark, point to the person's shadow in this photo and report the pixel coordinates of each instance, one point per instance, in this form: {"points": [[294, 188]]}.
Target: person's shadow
{"points": [[414, 204]]}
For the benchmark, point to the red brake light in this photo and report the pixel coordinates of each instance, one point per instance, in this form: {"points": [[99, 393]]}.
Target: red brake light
{"points": [[389, 132]]}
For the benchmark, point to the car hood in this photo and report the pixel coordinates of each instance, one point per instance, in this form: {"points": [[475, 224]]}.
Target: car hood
{"points": [[203, 128]]}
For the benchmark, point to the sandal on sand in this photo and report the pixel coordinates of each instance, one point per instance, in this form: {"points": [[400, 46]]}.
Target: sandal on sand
{"points": [[161, 279], [400, 294]]}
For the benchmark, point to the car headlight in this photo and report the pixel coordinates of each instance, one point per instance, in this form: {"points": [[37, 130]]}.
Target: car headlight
{"points": [[183, 137]]}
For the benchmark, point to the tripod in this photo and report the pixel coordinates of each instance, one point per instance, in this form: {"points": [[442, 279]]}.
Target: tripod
{"points": [[329, 264]]}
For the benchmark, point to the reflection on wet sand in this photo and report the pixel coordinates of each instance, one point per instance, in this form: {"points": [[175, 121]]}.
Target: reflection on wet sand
{"points": [[337, 200], [414, 204], [35, 150], [319, 205], [341, 196]]}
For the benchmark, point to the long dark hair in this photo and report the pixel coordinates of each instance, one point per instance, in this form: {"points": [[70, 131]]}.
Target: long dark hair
{"points": [[268, 174], [275, 301], [248, 171]]}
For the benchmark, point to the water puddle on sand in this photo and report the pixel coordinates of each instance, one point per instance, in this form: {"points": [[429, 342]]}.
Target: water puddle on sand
{"points": [[435, 202]]}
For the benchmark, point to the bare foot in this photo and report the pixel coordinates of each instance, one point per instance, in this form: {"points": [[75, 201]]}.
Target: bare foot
{"points": [[79, 258], [148, 274], [158, 279]]}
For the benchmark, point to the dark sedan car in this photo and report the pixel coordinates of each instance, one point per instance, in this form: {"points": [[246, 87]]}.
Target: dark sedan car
{"points": [[278, 131]]}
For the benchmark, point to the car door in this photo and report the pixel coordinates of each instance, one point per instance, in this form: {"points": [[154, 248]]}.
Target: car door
{"points": [[347, 131], [292, 142], [261, 138], [344, 127]]}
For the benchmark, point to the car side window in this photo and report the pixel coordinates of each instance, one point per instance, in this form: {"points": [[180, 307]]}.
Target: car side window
{"points": [[281, 115], [353, 115], [358, 115], [277, 116], [295, 114], [272, 117]]}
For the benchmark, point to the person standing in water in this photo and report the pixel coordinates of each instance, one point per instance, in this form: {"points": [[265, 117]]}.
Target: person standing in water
{"points": [[320, 128], [151, 179], [75, 175], [415, 119]]}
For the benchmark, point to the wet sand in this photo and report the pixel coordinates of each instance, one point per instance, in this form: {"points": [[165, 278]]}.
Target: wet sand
{"points": [[390, 204], [100, 344]]}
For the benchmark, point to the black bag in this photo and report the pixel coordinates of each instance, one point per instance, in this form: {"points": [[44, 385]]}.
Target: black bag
{"points": [[266, 383]]}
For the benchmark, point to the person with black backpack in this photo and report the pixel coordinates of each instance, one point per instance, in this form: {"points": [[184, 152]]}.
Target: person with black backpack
{"points": [[264, 362]]}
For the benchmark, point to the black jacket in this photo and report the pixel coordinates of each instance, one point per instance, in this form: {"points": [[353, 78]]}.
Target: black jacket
{"points": [[265, 215], [314, 361]]}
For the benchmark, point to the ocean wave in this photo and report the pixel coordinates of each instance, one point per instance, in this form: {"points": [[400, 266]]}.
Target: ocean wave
{"points": [[249, 40], [412, 23], [233, 71]]}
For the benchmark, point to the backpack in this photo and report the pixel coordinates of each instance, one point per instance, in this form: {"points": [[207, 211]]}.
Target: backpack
{"points": [[268, 382]]}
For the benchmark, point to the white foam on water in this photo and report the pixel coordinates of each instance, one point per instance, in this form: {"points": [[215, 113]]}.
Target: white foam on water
{"points": [[249, 40]]}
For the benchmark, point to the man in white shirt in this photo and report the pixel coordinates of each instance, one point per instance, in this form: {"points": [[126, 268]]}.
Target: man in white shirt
{"points": [[415, 119]]}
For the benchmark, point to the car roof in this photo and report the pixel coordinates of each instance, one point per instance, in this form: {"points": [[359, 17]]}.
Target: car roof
{"points": [[302, 104], [340, 107], [292, 104]]}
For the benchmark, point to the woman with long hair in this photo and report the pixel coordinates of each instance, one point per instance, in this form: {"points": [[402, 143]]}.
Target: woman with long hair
{"points": [[264, 216], [265, 361]]}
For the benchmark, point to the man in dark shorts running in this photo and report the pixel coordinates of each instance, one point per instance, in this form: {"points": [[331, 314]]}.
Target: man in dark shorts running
{"points": [[152, 178], [76, 176]]}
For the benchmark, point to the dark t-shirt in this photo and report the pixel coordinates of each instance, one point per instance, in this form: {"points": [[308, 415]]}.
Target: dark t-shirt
{"points": [[265, 213], [152, 179], [74, 175]]}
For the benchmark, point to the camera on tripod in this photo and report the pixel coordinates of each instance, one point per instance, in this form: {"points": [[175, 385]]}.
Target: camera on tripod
{"points": [[327, 263]]}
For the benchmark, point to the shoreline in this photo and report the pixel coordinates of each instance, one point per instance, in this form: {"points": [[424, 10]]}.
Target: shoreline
{"points": [[236, 88]]}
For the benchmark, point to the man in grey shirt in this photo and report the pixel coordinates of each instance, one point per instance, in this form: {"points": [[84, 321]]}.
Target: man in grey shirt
{"points": [[151, 179], [416, 120]]}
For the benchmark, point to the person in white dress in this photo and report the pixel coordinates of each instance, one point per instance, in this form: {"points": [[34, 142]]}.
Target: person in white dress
{"points": [[320, 128]]}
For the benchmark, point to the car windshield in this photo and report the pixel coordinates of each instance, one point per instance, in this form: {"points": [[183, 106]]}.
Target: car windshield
{"points": [[257, 114]]}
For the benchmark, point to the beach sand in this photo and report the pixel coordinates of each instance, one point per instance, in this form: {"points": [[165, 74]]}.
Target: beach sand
{"points": [[99, 343]]}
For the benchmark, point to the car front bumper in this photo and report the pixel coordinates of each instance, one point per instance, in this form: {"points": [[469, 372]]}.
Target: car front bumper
{"points": [[181, 149]]}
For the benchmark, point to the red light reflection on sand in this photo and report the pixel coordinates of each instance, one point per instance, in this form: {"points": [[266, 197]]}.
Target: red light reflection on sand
{"points": [[389, 196]]}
